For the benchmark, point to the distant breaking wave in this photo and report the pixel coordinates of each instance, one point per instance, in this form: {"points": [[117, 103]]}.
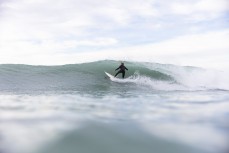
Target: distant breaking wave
{"points": [[91, 77]]}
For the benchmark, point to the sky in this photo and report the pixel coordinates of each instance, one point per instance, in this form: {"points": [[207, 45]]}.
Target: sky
{"points": [[55, 32]]}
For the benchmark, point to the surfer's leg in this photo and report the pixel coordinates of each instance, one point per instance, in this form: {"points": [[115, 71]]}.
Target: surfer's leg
{"points": [[117, 73], [123, 74]]}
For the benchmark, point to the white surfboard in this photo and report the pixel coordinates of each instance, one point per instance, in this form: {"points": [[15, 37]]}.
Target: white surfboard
{"points": [[109, 75]]}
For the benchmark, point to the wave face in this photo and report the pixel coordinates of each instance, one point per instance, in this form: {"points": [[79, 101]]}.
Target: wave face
{"points": [[90, 77]]}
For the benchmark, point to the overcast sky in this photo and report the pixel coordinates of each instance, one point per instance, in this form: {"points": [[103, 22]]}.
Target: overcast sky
{"points": [[50, 32]]}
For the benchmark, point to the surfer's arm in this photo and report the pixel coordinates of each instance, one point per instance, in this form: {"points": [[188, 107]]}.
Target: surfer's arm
{"points": [[117, 68], [126, 68]]}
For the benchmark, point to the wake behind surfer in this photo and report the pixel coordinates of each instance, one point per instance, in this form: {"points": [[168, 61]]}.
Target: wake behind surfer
{"points": [[122, 70]]}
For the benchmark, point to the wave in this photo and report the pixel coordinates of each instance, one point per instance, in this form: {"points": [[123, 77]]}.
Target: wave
{"points": [[90, 76]]}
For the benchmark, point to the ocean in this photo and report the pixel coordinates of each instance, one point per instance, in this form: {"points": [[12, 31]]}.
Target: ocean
{"points": [[75, 108]]}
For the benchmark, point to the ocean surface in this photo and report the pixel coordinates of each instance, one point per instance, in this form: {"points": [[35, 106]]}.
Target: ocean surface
{"points": [[75, 108]]}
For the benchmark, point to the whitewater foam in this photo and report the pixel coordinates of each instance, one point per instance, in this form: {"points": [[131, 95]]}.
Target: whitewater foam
{"points": [[194, 78], [153, 84]]}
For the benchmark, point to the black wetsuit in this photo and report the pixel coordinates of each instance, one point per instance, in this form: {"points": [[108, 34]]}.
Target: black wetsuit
{"points": [[122, 70]]}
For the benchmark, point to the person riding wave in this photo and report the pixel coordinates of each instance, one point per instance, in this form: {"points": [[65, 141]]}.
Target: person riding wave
{"points": [[122, 70]]}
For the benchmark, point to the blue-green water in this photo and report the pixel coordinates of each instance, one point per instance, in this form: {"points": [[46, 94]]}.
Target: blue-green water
{"points": [[76, 109]]}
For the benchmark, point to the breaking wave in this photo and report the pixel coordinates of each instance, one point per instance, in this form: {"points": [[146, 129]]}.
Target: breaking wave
{"points": [[90, 76]]}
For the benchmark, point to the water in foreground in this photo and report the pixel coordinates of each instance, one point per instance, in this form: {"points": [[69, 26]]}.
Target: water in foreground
{"points": [[74, 108]]}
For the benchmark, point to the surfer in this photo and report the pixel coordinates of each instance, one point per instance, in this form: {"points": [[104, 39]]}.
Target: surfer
{"points": [[122, 70]]}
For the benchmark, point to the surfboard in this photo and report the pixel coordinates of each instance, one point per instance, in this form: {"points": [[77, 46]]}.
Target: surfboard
{"points": [[109, 75]]}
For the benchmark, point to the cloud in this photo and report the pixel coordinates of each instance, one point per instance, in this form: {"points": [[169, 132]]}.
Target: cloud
{"points": [[208, 50], [50, 19], [100, 42], [204, 10], [199, 7]]}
